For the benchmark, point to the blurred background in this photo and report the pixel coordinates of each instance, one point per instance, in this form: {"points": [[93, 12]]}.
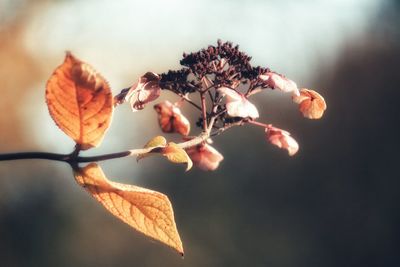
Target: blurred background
{"points": [[333, 204]]}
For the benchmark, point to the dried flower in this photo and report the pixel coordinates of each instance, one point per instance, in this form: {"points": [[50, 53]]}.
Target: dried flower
{"points": [[171, 119], [237, 104], [205, 157], [145, 90], [311, 104], [281, 139], [277, 81]]}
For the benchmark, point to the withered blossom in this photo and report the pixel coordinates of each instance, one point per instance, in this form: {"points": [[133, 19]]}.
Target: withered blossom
{"points": [[145, 90], [237, 104], [277, 81], [281, 139], [204, 156], [311, 103], [171, 119]]}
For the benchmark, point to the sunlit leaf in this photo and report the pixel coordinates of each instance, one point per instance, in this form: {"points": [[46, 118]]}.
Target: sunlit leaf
{"points": [[80, 102], [147, 211]]}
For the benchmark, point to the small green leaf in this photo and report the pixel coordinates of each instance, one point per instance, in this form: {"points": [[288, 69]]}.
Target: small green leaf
{"points": [[176, 154], [156, 142]]}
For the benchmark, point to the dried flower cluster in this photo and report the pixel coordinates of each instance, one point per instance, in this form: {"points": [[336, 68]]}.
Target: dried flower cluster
{"points": [[225, 79]]}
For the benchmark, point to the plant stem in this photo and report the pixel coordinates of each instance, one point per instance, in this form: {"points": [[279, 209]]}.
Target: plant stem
{"points": [[190, 101], [69, 158], [204, 111], [74, 158], [35, 155], [264, 125], [103, 157]]}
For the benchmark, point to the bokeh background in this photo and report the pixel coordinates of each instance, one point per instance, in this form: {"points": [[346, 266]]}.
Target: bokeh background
{"points": [[334, 204]]}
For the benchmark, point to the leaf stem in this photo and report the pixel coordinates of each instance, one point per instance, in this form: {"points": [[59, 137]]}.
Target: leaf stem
{"points": [[264, 125], [184, 97], [204, 111]]}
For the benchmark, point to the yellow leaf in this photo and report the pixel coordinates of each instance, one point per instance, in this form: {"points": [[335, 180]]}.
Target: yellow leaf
{"points": [[156, 142], [176, 154], [80, 102], [149, 212]]}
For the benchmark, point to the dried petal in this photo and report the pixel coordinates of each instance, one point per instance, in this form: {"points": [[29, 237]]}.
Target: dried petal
{"points": [[171, 119], [237, 104], [277, 81], [282, 139], [145, 90], [311, 104], [205, 157]]}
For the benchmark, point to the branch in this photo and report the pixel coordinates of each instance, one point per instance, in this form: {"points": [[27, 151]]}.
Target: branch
{"points": [[34, 155], [73, 158], [184, 97], [204, 110]]}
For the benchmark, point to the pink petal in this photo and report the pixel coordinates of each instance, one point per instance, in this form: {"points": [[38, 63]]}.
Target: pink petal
{"points": [[237, 104], [282, 139], [280, 82]]}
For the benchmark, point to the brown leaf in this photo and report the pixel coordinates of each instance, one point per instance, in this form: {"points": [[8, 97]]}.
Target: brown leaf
{"points": [[149, 212], [80, 102]]}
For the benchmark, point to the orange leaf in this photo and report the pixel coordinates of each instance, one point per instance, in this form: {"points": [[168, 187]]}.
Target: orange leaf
{"points": [[149, 212], [80, 102]]}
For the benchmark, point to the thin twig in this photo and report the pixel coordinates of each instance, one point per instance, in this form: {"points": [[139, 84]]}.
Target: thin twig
{"points": [[204, 111], [184, 97]]}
